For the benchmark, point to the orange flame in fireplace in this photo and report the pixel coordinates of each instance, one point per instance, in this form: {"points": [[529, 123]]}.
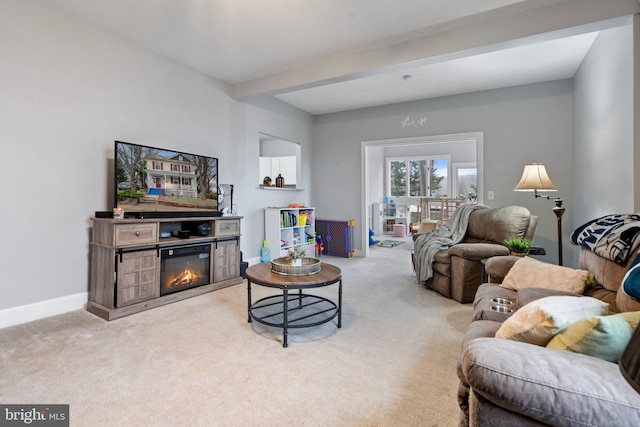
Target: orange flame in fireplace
{"points": [[186, 278]]}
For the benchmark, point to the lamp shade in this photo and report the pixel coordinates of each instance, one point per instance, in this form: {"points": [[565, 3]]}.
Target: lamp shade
{"points": [[535, 178], [630, 361]]}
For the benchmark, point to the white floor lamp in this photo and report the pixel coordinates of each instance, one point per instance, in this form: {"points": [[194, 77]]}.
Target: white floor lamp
{"points": [[535, 178]]}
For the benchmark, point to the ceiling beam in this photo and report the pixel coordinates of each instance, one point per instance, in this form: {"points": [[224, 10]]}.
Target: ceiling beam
{"points": [[507, 27]]}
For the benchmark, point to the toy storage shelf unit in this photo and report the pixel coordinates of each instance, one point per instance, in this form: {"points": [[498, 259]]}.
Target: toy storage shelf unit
{"points": [[285, 228], [386, 215], [337, 237]]}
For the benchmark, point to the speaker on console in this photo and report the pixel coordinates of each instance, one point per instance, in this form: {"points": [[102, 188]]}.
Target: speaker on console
{"points": [[198, 228], [204, 229]]}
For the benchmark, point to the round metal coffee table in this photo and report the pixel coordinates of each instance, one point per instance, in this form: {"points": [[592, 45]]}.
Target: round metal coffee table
{"points": [[298, 310]]}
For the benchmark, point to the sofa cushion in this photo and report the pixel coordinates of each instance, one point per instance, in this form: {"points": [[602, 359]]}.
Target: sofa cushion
{"points": [[607, 273], [538, 321], [604, 337], [599, 292], [530, 273], [527, 295], [495, 225], [626, 302], [556, 388]]}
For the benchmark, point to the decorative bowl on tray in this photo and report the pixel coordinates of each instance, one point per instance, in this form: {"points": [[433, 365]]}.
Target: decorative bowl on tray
{"points": [[286, 267]]}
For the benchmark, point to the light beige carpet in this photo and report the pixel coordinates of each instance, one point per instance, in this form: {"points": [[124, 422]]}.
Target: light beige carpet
{"points": [[199, 363]]}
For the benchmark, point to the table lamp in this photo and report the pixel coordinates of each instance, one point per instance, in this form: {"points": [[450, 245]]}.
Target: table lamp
{"points": [[535, 178]]}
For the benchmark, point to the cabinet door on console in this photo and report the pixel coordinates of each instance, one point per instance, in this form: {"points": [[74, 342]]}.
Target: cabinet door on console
{"points": [[226, 260], [138, 277]]}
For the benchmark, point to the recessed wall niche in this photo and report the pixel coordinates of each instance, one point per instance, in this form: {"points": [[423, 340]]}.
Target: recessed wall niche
{"points": [[279, 157]]}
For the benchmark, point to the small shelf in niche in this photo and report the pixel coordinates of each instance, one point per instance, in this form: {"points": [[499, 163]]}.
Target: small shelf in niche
{"points": [[281, 188]]}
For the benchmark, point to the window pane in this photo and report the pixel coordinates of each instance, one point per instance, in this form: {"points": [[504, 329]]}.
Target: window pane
{"points": [[438, 178], [418, 173], [398, 178], [467, 183]]}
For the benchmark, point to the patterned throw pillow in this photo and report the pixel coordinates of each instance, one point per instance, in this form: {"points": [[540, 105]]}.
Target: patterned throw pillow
{"points": [[631, 280]]}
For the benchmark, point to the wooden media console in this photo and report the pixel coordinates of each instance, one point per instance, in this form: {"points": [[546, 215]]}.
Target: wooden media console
{"points": [[131, 258]]}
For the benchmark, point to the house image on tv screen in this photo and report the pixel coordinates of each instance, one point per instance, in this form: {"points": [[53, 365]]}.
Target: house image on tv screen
{"points": [[175, 176], [149, 178]]}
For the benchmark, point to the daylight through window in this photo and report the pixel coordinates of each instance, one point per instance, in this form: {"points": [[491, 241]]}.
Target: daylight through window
{"points": [[419, 177]]}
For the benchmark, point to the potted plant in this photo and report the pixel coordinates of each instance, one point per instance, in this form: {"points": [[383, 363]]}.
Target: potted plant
{"points": [[519, 246], [296, 254]]}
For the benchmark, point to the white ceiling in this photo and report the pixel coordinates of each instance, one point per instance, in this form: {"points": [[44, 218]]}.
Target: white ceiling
{"points": [[546, 61], [253, 43]]}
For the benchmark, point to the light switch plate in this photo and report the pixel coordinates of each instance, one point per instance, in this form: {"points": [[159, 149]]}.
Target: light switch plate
{"points": [[490, 195]]}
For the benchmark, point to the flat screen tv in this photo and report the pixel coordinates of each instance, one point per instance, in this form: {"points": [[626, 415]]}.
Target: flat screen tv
{"points": [[156, 182]]}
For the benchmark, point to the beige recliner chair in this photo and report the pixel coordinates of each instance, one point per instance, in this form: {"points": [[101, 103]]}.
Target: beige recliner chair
{"points": [[458, 270]]}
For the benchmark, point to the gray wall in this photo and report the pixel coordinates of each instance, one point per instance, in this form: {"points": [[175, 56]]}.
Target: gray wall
{"points": [[604, 131], [289, 125], [585, 130], [524, 124], [69, 90]]}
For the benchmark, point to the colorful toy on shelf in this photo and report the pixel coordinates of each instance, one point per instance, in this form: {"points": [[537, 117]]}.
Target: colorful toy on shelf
{"points": [[319, 246]]}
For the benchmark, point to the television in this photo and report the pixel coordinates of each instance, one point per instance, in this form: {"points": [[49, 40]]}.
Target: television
{"points": [[151, 182]]}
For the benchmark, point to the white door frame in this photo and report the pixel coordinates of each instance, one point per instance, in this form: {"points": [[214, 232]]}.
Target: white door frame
{"points": [[478, 137]]}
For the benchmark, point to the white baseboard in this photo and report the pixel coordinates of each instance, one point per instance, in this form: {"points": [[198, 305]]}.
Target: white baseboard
{"points": [[38, 310]]}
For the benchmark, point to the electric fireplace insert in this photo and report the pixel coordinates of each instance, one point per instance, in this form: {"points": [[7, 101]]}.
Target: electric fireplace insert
{"points": [[184, 267]]}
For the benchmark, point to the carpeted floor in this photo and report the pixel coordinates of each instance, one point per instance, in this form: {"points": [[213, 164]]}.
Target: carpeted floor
{"points": [[199, 363]]}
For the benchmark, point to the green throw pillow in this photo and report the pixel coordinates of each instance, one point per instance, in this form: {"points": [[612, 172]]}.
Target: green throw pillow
{"points": [[604, 337]]}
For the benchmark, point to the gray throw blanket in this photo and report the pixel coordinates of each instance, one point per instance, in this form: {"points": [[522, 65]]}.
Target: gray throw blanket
{"points": [[427, 245]]}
